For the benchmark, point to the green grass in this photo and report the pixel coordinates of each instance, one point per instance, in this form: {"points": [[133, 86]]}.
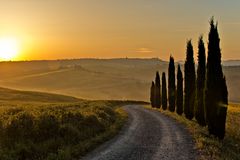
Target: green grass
{"points": [[41, 126], [210, 147], [57, 131]]}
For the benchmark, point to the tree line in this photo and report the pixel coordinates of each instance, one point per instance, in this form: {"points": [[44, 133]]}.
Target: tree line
{"points": [[202, 94]]}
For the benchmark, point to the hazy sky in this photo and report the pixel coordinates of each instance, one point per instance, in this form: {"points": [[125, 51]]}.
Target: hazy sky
{"points": [[56, 29]]}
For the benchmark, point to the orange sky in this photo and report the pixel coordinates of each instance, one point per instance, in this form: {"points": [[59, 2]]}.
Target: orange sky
{"points": [[57, 29]]}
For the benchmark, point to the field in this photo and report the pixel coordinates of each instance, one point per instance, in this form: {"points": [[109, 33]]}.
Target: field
{"points": [[38, 125], [10, 95], [48, 126], [210, 147], [97, 78]]}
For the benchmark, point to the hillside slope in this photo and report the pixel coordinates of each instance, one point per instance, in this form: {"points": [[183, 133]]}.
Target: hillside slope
{"points": [[10, 95], [35, 125], [96, 78]]}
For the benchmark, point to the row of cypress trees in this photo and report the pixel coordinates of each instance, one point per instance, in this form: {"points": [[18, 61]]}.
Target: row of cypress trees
{"points": [[158, 97], [205, 95]]}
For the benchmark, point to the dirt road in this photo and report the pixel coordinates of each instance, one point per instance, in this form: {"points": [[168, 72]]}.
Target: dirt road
{"points": [[148, 135]]}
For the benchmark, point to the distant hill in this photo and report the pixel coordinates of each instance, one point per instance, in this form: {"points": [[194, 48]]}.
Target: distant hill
{"points": [[224, 63], [96, 78], [29, 96], [231, 63]]}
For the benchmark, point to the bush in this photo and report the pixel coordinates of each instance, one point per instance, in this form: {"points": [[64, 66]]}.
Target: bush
{"points": [[47, 127], [17, 128]]}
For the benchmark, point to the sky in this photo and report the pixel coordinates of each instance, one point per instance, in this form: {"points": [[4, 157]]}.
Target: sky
{"points": [[60, 29]]}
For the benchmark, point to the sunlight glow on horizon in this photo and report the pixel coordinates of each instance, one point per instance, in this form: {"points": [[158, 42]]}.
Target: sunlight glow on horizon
{"points": [[69, 29], [9, 48]]}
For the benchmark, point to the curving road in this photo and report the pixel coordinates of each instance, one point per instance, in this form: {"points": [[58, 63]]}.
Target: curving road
{"points": [[148, 135]]}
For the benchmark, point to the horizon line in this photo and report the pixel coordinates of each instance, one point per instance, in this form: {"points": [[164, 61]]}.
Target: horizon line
{"points": [[97, 58]]}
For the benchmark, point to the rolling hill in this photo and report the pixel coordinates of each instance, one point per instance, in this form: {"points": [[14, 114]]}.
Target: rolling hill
{"points": [[10, 95], [96, 78]]}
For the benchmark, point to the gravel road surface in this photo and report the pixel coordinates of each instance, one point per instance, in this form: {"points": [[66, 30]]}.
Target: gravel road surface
{"points": [[148, 135]]}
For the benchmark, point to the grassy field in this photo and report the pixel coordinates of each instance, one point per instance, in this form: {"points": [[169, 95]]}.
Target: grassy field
{"points": [[48, 126], [10, 95], [209, 147], [95, 78]]}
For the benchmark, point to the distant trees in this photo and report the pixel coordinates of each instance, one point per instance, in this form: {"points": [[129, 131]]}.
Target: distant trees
{"points": [[171, 85], [179, 91], [201, 71], [164, 92], [190, 80], [152, 95], [216, 90], [157, 90]]}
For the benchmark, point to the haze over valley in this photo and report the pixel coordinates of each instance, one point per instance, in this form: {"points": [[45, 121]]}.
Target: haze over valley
{"points": [[123, 79]]}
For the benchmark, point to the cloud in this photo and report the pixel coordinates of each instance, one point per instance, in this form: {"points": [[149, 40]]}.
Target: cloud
{"points": [[144, 50], [185, 30]]}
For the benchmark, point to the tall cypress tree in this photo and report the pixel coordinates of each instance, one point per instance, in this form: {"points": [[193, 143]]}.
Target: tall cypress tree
{"points": [[216, 89], [222, 111], [201, 71], [152, 95], [179, 91], [171, 85], [225, 92], [190, 80], [157, 90], [164, 92]]}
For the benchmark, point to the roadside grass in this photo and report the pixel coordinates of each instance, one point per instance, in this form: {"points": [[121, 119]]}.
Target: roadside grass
{"points": [[209, 147], [57, 131], [39, 126]]}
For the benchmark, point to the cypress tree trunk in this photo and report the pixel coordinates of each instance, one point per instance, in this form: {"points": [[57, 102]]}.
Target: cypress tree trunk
{"points": [[157, 90], [152, 95], [216, 89], [190, 80], [171, 85], [164, 92], [179, 91], [201, 71]]}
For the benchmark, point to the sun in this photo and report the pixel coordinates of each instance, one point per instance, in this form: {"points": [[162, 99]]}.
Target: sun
{"points": [[9, 48]]}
